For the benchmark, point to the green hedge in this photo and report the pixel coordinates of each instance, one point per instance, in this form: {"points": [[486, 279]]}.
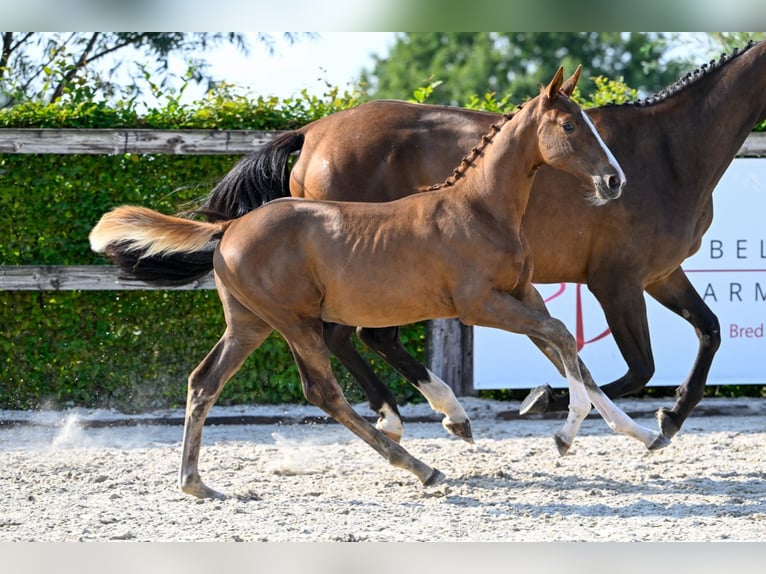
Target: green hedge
{"points": [[130, 350]]}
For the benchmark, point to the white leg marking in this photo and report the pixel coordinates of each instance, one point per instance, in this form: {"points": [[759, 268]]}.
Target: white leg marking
{"points": [[390, 423], [619, 421], [579, 407], [442, 399]]}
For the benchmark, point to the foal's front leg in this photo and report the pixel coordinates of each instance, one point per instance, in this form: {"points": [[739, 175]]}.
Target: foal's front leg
{"points": [[526, 314], [615, 417]]}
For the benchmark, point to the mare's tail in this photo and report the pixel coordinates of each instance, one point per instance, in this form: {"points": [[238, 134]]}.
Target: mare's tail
{"points": [[155, 248], [258, 178]]}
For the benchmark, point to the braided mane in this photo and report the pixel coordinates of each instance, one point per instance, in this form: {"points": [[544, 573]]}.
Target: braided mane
{"points": [[690, 78], [469, 159]]}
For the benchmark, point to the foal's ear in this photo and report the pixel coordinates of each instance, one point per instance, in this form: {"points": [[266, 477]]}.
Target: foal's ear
{"points": [[553, 88], [569, 86]]}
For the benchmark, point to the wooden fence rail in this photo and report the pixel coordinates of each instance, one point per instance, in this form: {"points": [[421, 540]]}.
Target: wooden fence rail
{"points": [[181, 142], [120, 141]]}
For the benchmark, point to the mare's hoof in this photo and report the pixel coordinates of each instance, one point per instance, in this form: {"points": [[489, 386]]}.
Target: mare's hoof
{"points": [[561, 444], [437, 477], [537, 400], [460, 430], [667, 421], [660, 442]]}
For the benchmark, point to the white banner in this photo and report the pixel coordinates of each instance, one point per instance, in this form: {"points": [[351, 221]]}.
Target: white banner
{"points": [[729, 272]]}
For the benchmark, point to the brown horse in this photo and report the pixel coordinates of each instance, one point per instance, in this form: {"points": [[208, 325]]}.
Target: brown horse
{"points": [[293, 265], [674, 147]]}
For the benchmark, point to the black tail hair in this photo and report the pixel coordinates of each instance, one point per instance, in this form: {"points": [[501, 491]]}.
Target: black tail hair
{"points": [[258, 178], [168, 270]]}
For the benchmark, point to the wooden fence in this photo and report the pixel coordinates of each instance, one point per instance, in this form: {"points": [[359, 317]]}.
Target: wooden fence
{"points": [[450, 344]]}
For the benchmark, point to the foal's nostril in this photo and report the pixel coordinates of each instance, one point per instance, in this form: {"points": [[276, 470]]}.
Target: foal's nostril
{"points": [[614, 182]]}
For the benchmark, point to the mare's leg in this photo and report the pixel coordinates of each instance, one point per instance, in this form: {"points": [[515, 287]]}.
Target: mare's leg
{"points": [[386, 343], [625, 311], [677, 294], [320, 387], [243, 334], [380, 397]]}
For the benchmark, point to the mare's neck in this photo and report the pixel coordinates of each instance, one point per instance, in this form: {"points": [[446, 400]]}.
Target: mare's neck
{"points": [[700, 128], [729, 103]]}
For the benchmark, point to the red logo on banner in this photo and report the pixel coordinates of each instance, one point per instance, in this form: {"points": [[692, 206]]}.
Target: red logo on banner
{"points": [[579, 328]]}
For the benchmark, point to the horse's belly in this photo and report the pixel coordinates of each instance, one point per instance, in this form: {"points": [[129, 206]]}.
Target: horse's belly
{"points": [[373, 309]]}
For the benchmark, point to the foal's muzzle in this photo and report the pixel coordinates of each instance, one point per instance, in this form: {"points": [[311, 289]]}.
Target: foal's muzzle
{"points": [[608, 187]]}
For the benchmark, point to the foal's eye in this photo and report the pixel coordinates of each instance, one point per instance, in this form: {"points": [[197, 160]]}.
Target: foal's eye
{"points": [[568, 127]]}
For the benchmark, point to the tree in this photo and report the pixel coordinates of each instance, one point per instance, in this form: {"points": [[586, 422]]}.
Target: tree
{"points": [[728, 41], [515, 64], [43, 66]]}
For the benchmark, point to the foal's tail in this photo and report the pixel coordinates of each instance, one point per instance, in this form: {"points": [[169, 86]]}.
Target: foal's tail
{"points": [[258, 178], [155, 248]]}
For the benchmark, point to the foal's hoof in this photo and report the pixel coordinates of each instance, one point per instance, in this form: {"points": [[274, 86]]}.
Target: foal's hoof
{"points": [[200, 490], [561, 444], [437, 477], [460, 430], [660, 442], [667, 421], [537, 400]]}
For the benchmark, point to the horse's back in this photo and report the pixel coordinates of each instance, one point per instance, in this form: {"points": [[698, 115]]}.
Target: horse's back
{"points": [[384, 150]]}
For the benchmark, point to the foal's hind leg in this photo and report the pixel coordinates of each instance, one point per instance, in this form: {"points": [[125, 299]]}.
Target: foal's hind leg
{"points": [[320, 388], [380, 397], [386, 343], [243, 334]]}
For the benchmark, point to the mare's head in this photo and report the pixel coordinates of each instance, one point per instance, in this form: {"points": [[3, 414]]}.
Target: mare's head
{"points": [[568, 140]]}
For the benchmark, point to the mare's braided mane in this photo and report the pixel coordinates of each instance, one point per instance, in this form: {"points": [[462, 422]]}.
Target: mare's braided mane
{"points": [[691, 78]]}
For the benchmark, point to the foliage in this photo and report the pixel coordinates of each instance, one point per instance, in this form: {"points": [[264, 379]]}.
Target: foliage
{"points": [[607, 92], [223, 107], [44, 66], [515, 64]]}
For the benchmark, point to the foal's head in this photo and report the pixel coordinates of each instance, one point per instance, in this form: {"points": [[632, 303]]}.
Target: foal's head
{"points": [[567, 140]]}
